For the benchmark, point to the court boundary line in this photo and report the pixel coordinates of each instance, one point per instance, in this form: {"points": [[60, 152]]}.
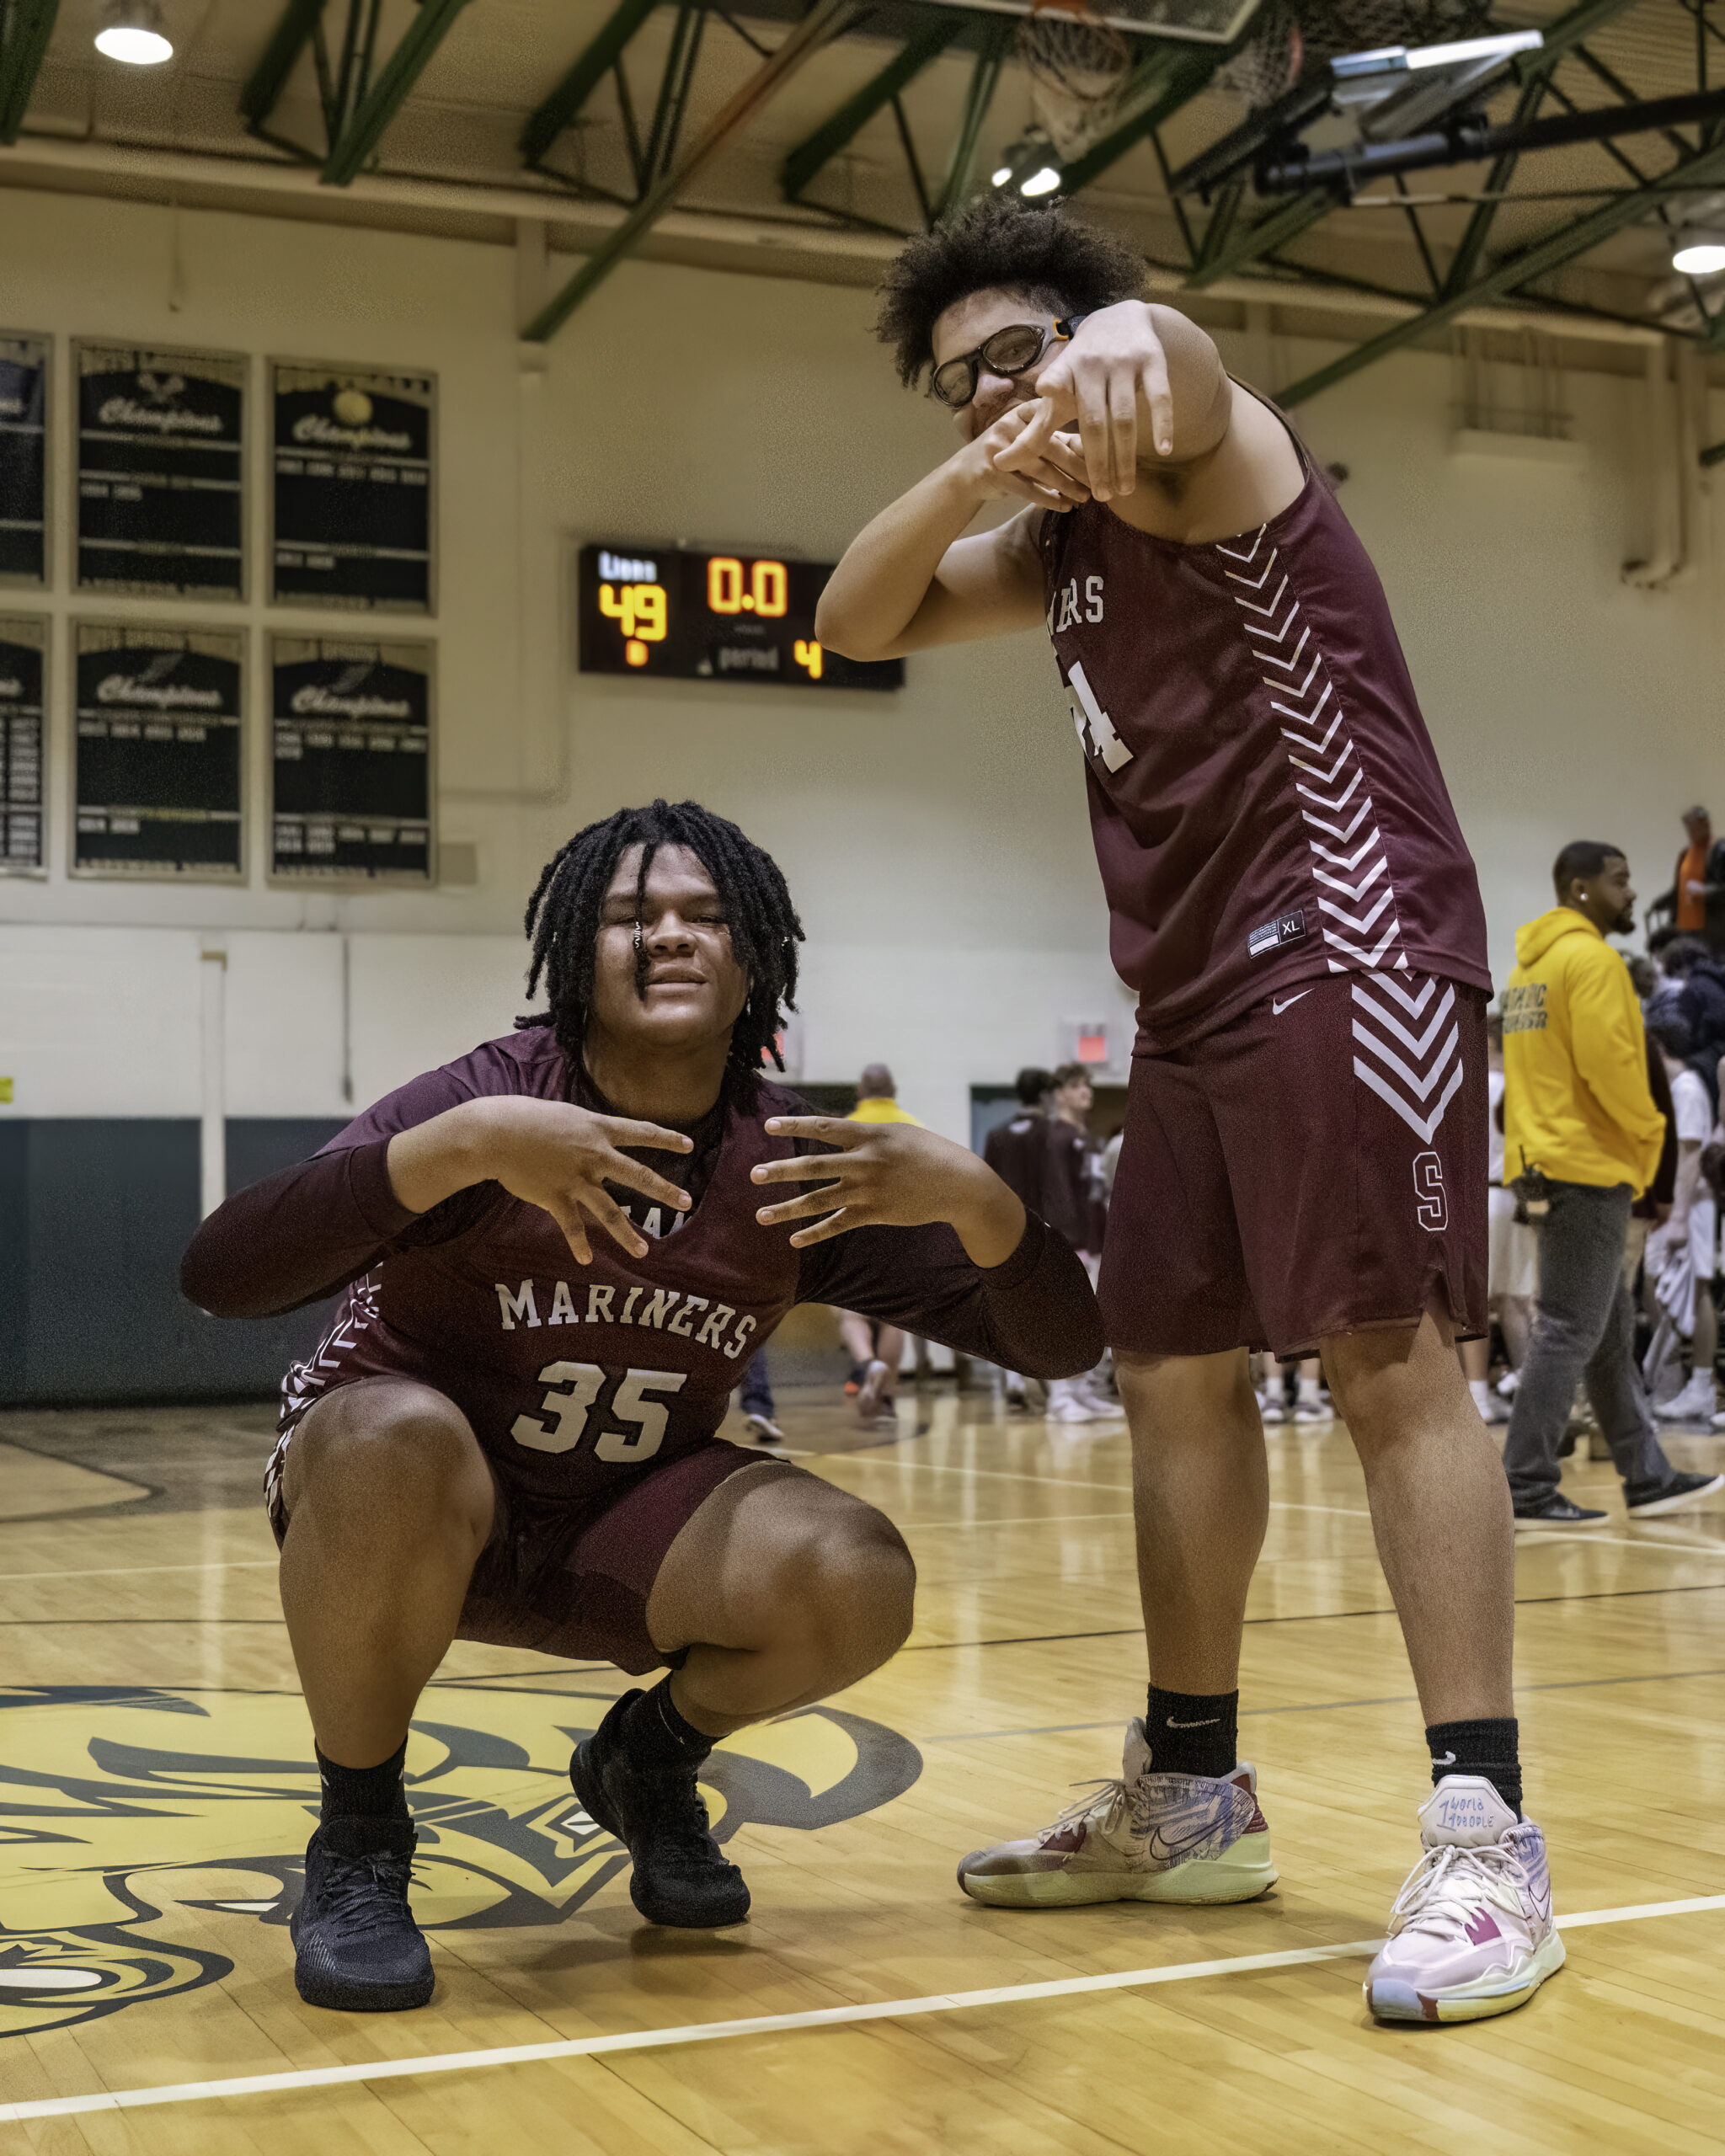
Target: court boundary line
{"points": [[763, 2024]]}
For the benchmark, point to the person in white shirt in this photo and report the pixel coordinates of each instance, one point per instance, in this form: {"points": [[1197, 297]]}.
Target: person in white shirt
{"points": [[1691, 1233]]}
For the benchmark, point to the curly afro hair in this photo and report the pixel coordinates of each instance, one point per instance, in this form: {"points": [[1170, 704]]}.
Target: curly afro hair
{"points": [[1000, 241]]}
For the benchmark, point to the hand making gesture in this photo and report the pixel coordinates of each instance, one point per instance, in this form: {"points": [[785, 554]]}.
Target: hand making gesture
{"points": [[890, 1175], [549, 1153]]}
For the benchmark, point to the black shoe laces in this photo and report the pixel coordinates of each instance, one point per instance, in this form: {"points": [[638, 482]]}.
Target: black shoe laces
{"points": [[359, 1892]]}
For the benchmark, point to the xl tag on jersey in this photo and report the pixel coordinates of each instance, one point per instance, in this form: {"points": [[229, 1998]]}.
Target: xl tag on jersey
{"points": [[1272, 935]]}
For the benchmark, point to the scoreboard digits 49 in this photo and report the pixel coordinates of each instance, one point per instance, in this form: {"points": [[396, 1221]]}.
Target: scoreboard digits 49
{"points": [[696, 616]]}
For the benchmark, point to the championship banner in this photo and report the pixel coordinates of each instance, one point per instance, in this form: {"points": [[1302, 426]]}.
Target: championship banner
{"points": [[353, 501], [23, 656], [160, 496], [352, 783], [157, 785], [24, 459]]}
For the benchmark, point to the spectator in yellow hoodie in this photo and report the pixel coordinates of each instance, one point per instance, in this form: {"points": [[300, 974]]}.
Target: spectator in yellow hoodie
{"points": [[1582, 1141]]}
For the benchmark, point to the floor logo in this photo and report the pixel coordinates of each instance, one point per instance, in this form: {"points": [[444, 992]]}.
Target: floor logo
{"points": [[117, 1806]]}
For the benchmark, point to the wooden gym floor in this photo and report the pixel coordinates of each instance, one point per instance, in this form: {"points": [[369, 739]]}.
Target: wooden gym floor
{"points": [[155, 1788]]}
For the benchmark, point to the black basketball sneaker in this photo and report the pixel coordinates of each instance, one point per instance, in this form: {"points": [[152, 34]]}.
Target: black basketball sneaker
{"points": [[655, 1811], [357, 1947]]}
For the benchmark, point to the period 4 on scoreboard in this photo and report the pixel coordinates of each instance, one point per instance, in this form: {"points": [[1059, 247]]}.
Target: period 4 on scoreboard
{"points": [[669, 611]]}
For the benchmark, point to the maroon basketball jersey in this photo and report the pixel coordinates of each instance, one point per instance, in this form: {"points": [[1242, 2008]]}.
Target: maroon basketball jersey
{"points": [[1265, 797], [572, 1376]]}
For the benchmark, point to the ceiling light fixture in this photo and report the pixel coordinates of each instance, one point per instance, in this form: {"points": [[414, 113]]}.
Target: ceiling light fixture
{"points": [[1699, 254], [131, 32], [1030, 165]]}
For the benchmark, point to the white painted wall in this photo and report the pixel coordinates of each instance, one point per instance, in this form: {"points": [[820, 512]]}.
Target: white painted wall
{"points": [[936, 841]]}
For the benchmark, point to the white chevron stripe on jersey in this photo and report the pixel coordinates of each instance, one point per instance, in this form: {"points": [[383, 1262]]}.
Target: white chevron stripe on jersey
{"points": [[1288, 664], [1287, 688], [1368, 960], [1413, 1004], [1354, 891], [1361, 924], [1432, 1064], [1422, 1086], [1317, 771], [1305, 719], [1337, 805], [1353, 938], [1343, 831], [1269, 606], [1425, 1125], [1350, 862], [1268, 634], [1319, 744], [1256, 541], [1415, 1045]]}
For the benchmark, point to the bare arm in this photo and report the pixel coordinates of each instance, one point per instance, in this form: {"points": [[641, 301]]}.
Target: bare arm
{"points": [[910, 578]]}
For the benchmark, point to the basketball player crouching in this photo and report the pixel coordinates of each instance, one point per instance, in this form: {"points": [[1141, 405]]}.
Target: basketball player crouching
{"points": [[556, 1258], [1303, 1164]]}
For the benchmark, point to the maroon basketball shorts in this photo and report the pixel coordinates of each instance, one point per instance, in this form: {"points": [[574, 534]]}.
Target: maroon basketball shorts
{"points": [[1317, 1165], [571, 1577]]}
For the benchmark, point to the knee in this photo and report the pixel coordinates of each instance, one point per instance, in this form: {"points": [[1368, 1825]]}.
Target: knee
{"points": [[406, 1446], [853, 1584]]}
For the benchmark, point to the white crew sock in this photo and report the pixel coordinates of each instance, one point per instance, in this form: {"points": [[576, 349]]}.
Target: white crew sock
{"points": [[1481, 1394]]}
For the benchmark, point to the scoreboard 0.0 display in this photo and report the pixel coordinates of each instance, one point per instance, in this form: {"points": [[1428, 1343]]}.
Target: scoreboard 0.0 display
{"points": [[691, 617]]}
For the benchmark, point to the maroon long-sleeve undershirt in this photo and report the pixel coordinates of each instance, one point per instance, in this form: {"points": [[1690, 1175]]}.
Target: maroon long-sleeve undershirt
{"points": [[301, 1234]]}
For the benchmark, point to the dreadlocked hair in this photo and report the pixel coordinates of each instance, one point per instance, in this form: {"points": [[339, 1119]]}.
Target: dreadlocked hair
{"points": [[1000, 242], [568, 904]]}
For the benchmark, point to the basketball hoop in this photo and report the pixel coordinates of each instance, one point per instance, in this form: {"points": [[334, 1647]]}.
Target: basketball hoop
{"points": [[1292, 33], [1076, 64]]}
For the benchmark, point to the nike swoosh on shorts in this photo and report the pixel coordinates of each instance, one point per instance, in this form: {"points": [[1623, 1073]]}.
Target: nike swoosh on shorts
{"points": [[1281, 1003]]}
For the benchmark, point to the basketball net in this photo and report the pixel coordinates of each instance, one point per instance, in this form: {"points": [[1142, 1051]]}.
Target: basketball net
{"points": [[1076, 64], [1292, 33]]}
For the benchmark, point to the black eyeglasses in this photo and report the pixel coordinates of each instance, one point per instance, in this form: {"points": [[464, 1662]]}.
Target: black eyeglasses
{"points": [[1012, 351]]}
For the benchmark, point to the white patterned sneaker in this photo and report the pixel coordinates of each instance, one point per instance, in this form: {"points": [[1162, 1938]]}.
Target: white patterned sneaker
{"points": [[1471, 1933], [1145, 1838]]}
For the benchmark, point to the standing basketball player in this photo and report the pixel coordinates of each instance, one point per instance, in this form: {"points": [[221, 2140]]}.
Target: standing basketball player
{"points": [[1304, 1164], [508, 1433]]}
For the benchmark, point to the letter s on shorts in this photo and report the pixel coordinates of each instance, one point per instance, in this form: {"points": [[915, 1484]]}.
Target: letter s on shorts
{"points": [[1428, 1191]]}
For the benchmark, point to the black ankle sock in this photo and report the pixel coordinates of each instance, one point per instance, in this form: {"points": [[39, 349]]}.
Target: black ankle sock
{"points": [[365, 1792], [1192, 1732], [658, 1733], [1479, 1747]]}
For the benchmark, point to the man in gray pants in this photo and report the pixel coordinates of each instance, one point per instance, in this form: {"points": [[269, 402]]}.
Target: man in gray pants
{"points": [[1583, 1138]]}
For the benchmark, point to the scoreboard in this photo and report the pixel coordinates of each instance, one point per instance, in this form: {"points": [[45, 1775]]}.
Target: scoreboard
{"points": [[691, 617]]}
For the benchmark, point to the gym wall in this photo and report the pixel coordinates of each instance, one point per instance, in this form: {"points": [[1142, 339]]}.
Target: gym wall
{"points": [[935, 841]]}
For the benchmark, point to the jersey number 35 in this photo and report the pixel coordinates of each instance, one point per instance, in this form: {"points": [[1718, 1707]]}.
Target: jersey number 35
{"points": [[568, 1407]]}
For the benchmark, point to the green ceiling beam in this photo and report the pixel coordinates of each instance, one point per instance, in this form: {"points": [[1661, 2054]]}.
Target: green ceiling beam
{"points": [[1703, 168], [26, 28], [807, 159], [389, 88], [1533, 71], [1246, 243], [289, 39], [985, 80], [826, 19], [548, 120], [1180, 75]]}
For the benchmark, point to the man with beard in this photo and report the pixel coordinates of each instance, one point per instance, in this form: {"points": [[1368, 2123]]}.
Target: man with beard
{"points": [[1581, 1139]]}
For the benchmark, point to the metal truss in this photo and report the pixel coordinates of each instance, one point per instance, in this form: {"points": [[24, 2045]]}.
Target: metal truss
{"points": [[1698, 164], [662, 175], [358, 97], [26, 28]]}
